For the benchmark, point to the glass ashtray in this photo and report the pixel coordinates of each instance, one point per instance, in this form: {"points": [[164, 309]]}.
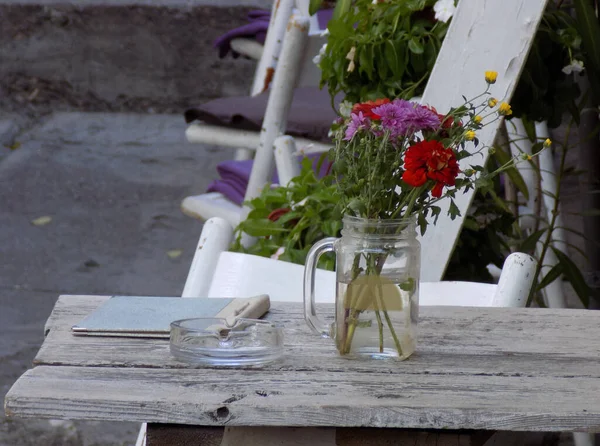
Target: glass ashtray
{"points": [[219, 342]]}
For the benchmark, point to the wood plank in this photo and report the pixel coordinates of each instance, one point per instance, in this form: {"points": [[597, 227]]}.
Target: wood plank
{"points": [[433, 356], [307, 398], [452, 340]]}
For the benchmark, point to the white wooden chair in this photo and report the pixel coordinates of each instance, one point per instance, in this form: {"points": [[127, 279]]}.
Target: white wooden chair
{"points": [[216, 272], [288, 52]]}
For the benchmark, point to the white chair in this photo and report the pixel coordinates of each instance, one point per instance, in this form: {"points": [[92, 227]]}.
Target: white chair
{"points": [[287, 53], [215, 272]]}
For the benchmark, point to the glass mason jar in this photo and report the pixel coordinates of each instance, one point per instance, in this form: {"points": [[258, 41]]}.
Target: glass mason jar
{"points": [[377, 288]]}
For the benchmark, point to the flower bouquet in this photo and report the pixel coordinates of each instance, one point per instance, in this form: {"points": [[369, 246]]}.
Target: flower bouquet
{"points": [[393, 161]]}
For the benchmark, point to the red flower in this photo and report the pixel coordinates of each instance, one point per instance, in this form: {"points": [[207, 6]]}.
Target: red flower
{"points": [[278, 213], [430, 160], [367, 108], [447, 121]]}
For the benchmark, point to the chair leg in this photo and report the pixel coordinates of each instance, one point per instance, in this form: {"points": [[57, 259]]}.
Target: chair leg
{"points": [[141, 439], [215, 238], [285, 159], [584, 439], [278, 104]]}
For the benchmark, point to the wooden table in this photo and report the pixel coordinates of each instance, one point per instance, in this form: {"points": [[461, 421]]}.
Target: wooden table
{"points": [[475, 368]]}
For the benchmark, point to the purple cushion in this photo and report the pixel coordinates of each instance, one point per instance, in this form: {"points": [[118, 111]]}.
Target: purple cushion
{"points": [[310, 114], [256, 29], [234, 177]]}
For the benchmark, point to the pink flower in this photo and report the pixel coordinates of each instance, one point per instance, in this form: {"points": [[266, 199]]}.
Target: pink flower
{"points": [[357, 122], [401, 117]]}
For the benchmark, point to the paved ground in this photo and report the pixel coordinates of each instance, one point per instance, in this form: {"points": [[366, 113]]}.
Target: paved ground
{"points": [[112, 184]]}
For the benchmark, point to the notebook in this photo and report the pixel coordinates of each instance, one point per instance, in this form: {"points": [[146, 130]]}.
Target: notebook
{"points": [[150, 316]]}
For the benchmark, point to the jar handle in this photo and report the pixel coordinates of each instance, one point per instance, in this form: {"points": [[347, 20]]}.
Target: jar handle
{"points": [[310, 269]]}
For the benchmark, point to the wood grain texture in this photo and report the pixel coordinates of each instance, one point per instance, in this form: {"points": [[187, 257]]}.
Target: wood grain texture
{"points": [[475, 368], [299, 398]]}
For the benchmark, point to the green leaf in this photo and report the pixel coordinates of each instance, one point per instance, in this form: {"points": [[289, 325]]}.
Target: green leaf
{"points": [[394, 59], [470, 224], [529, 243], [435, 213], [415, 46], [453, 210], [341, 8], [408, 285], [331, 228], [259, 213], [573, 275], [503, 157], [262, 227], [551, 276], [365, 60], [314, 6]]}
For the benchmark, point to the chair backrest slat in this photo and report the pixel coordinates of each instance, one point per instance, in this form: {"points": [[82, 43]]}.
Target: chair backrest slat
{"points": [[280, 13], [484, 35]]}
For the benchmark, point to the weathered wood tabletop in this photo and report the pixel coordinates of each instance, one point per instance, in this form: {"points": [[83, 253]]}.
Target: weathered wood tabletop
{"points": [[475, 368]]}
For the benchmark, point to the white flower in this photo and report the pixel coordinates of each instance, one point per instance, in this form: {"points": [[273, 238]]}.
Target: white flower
{"points": [[317, 59], [576, 66], [444, 10], [345, 109], [278, 253], [300, 203], [350, 57], [324, 33]]}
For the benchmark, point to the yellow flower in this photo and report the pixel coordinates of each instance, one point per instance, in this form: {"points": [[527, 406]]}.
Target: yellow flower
{"points": [[504, 109], [492, 102], [469, 135], [477, 119], [491, 76], [548, 142]]}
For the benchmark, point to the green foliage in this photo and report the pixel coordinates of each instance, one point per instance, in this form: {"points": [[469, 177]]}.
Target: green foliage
{"points": [[308, 213], [395, 46], [397, 42]]}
